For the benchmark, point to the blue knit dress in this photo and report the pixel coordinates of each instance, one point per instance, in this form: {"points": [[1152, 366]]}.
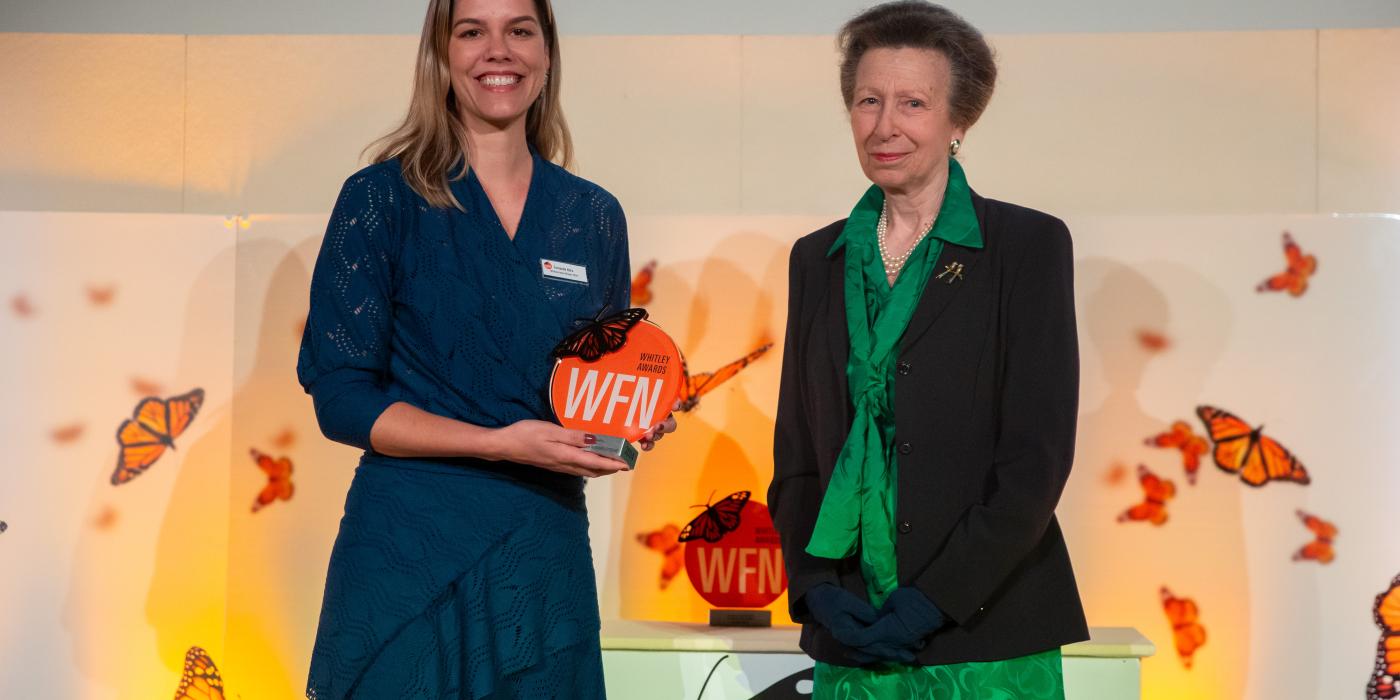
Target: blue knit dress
{"points": [[455, 578]]}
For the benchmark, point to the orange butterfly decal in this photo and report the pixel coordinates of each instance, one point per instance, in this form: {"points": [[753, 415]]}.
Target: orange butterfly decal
{"points": [[1192, 446], [1187, 633], [697, 385], [1156, 492], [21, 305], [1240, 448], [1153, 341], [641, 284], [201, 680], [1293, 280], [1320, 549], [279, 480], [66, 434], [1385, 682], [665, 542], [152, 428], [101, 296]]}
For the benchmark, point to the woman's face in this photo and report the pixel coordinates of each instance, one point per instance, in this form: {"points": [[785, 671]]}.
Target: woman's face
{"points": [[498, 59], [900, 117]]}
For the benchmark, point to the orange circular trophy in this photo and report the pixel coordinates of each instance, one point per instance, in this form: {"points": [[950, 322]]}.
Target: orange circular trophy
{"points": [[616, 378]]}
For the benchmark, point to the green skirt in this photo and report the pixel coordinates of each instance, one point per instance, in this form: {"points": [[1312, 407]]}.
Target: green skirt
{"points": [[1034, 677]]}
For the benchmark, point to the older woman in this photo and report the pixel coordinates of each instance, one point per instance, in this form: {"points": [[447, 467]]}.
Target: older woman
{"points": [[926, 416], [462, 565]]}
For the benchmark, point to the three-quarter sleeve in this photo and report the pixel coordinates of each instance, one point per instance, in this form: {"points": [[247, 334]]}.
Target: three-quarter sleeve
{"points": [[794, 496], [1034, 449], [344, 358]]}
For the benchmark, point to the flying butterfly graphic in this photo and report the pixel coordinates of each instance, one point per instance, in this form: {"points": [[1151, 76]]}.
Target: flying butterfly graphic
{"points": [[1246, 451], [152, 428], [697, 385], [665, 542], [279, 480], [1294, 279], [1191, 445], [200, 680], [1385, 681], [599, 336], [1320, 549], [641, 284], [717, 521], [1156, 492], [1187, 633]]}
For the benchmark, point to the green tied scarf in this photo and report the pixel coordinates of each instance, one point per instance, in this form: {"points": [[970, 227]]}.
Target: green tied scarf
{"points": [[859, 505]]}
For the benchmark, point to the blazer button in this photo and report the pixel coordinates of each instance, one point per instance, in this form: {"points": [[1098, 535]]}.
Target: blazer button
{"points": [[905, 448], [906, 527], [904, 368]]}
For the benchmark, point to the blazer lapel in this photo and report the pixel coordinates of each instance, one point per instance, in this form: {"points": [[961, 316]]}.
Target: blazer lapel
{"points": [[955, 263], [838, 339]]}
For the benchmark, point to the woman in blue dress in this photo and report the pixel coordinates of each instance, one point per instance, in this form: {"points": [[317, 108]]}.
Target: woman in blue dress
{"points": [[462, 568]]}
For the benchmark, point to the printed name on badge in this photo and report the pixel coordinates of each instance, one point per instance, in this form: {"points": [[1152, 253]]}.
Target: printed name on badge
{"points": [[564, 271]]}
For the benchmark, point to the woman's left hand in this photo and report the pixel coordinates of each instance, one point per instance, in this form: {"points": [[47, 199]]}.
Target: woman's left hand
{"points": [[659, 431]]}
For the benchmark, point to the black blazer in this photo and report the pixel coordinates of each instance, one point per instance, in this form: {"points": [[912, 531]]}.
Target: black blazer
{"points": [[986, 399]]}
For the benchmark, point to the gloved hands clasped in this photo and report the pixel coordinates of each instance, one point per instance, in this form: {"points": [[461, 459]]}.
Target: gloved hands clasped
{"points": [[892, 635]]}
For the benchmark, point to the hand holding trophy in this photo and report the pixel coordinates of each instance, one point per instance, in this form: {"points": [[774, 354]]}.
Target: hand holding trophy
{"points": [[616, 378]]}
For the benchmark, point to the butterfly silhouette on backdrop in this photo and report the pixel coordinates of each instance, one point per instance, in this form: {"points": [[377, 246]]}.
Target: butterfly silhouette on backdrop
{"points": [[665, 542], [697, 385], [1187, 633], [641, 284], [1156, 492], [152, 428], [200, 680], [279, 480], [1320, 549], [1246, 451], [1385, 681], [599, 336], [1191, 445], [717, 521], [1294, 279]]}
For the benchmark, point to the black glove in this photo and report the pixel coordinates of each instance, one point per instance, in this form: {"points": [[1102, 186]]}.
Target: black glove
{"points": [[907, 618], [838, 610]]}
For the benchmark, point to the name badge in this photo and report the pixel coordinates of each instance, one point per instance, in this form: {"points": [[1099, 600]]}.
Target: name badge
{"points": [[564, 271]]}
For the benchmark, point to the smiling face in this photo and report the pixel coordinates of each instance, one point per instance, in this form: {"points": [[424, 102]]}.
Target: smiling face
{"points": [[498, 60], [900, 117]]}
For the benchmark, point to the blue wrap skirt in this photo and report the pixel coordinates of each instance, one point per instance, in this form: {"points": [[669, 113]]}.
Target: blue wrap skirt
{"points": [[448, 582]]}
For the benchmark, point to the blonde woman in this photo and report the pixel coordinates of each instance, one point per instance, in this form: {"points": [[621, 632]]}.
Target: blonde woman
{"points": [[462, 567]]}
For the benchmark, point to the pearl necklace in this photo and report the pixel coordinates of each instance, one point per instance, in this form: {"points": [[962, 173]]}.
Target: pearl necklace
{"points": [[894, 263]]}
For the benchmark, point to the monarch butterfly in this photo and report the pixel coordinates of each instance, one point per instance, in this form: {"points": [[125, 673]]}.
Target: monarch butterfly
{"points": [[67, 433], [279, 480], [1239, 448], [600, 337], [1320, 549], [666, 542], [641, 284], [101, 296], [153, 426], [1191, 445], [200, 680], [1187, 633], [717, 521], [1156, 492], [1294, 279], [1385, 682], [1152, 341], [697, 385]]}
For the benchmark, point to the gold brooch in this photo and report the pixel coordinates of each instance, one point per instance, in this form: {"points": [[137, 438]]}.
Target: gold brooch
{"points": [[954, 272]]}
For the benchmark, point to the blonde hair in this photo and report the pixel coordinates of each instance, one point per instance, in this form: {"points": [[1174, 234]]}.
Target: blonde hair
{"points": [[432, 138]]}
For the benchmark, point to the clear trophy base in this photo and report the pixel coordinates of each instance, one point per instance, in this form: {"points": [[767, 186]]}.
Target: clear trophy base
{"points": [[740, 618], [615, 447]]}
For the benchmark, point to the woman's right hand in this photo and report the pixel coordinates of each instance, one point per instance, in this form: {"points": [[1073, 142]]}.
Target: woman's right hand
{"points": [[553, 447]]}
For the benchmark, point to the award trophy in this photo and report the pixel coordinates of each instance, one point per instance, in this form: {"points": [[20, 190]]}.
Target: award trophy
{"points": [[616, 378]]}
